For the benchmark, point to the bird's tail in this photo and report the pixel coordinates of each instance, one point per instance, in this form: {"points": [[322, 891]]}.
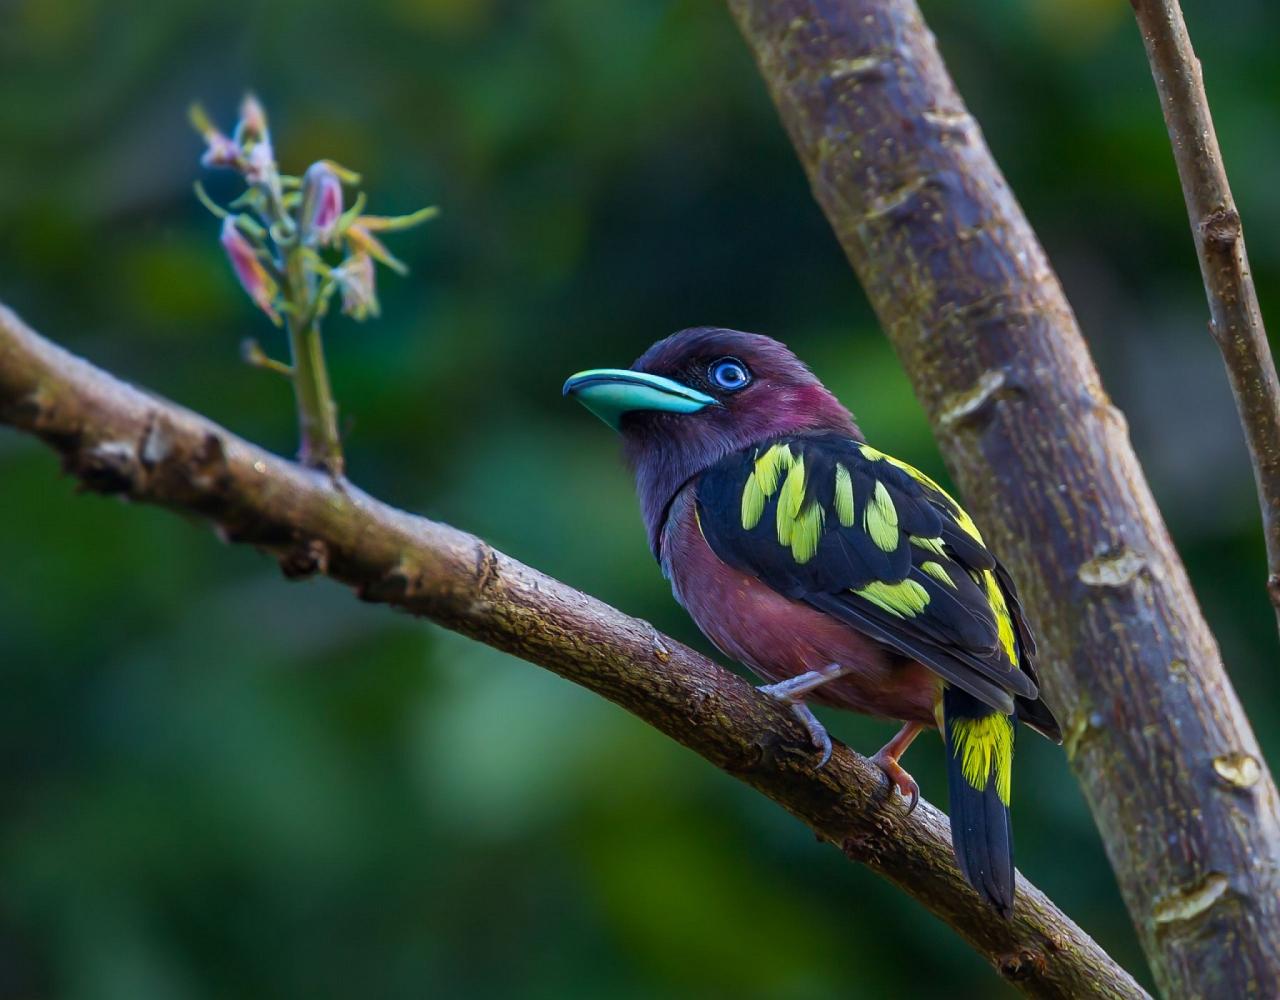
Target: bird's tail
{"points": [[979, 768]]}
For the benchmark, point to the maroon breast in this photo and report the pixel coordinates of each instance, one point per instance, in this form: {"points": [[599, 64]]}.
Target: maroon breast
{"points": [[780, 638]]}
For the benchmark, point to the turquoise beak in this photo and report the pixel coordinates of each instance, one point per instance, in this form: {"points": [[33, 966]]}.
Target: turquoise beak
{"points": [[611, 392]]}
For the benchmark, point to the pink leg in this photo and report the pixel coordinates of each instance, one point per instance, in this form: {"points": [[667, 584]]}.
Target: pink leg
{"points": [[887, 759]]}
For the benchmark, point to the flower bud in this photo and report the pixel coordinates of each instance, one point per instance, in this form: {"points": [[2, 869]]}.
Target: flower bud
{"points": [[253, 137], [253, 121], [321, 204], [254, 277], [356, 281]]}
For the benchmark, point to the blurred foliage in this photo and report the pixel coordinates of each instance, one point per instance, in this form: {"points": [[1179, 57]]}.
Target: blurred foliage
{"points": [[218, 784]]}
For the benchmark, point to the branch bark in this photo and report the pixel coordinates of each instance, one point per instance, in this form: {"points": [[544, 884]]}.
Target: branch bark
{"points": [[1171, 769], [1235, 319], [119, 440]]}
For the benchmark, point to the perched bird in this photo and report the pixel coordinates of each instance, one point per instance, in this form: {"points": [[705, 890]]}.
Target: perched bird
{"points": [[835, 572]]}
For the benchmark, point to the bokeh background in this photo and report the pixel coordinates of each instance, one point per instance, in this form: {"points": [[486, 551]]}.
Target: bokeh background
{"points": [[220, 784]]}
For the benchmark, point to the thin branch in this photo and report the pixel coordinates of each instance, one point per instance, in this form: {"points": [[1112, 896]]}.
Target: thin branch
{"points": [[317, 411], [1185, 804], [119, 440], [253, 354], [1234, 317]]}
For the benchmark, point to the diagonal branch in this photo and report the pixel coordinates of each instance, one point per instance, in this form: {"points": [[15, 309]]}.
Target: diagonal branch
{"points": [[119, 440], [1234, 317]]}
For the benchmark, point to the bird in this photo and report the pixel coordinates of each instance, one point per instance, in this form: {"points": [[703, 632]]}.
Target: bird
{"points": [[836, 573]]}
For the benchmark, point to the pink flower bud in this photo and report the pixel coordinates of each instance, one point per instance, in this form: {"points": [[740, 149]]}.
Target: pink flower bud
{"points": [[356, 281], [259, 159], [254, 277], [321, 203]]}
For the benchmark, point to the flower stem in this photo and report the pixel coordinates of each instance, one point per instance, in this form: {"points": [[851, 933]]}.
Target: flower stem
{"points": [[317, 413]]}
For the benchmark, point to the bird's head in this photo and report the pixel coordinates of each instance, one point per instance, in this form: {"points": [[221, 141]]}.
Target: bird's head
{"points": [[699, 395]]}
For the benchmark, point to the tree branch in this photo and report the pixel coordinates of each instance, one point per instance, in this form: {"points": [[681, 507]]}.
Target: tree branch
{"points": [[119, 440], [1234, 317], [1172, 771]]}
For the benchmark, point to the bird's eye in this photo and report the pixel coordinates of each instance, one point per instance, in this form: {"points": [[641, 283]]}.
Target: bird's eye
{"points": [[729, 373]]}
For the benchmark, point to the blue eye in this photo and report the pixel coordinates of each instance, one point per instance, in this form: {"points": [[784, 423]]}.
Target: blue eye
{"points": [[729, 373]]}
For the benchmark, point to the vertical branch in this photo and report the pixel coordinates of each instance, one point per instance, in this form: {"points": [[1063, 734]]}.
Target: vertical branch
{"points": [[1186, 807], [1234, 317]]}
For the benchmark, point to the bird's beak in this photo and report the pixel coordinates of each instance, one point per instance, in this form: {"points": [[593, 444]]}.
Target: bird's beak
{"points": [[611, 392]]}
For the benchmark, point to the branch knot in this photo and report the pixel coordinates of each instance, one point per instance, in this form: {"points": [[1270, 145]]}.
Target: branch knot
{"points": [[1221, 228]]}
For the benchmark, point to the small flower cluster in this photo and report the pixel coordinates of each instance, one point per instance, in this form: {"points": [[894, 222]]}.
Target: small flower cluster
{"points": [[280, 231]]}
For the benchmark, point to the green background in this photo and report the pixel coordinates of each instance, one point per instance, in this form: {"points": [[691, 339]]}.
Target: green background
{"points": [[220, 784]]}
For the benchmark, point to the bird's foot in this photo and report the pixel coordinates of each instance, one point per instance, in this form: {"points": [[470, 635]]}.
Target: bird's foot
{"points": [[887, 760], [817, 732], [791, 693], [898, 777]]}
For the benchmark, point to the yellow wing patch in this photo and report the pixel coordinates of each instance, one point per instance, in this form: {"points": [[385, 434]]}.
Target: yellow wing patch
{"points": [[792, 495], [933, 545], [904, 599], [802, 532], [880, 519], [844, 496], [798, 525], [1004, 621], [984, 744], [762, 483], [753, 499], [771, 465], [938, 572]]}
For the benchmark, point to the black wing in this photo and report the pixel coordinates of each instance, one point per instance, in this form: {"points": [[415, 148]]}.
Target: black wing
{"points": [[878, 544]]}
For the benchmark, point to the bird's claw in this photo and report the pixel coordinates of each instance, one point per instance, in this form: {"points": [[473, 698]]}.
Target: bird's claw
{"points": [[817, 731], [899, 778]]}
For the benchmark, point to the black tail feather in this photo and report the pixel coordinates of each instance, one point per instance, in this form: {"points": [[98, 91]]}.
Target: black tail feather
{"points": [[980, 829]]}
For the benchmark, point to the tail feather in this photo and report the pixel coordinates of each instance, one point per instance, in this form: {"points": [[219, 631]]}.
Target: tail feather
{"points": [[979, 765]]}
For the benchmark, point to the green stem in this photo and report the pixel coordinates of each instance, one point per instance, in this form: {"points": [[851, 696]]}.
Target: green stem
{"points": [[317, 412]]}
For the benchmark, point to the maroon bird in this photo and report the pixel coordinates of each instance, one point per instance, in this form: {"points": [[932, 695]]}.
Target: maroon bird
{"points": [[837, 573]]}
